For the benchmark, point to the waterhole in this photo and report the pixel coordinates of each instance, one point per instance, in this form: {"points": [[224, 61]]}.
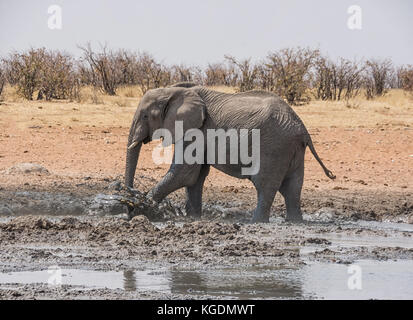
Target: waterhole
{"points": [[316, 280]]}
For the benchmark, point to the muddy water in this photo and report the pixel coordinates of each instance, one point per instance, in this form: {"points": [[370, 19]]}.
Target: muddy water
{"points": [[108, 257], [314, 279], [379, 280]]}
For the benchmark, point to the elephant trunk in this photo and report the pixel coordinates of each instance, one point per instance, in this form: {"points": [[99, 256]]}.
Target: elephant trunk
{"points": [[132, 156]]}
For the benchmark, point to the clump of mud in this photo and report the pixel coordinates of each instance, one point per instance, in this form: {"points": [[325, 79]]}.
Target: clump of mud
{"points": [[25, 168], [141, 224], [38, 228], [27, 223], [202, 228], [139, 203]]}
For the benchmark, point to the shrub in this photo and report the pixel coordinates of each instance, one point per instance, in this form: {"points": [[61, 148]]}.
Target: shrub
{"points": [[105, 70], [24, 70], [247, 73], [333, 80], [2, 78], [57, 77], [150, 74], [377, 77], [290, 71], [221, 74], [405, 75], [49, 72]]}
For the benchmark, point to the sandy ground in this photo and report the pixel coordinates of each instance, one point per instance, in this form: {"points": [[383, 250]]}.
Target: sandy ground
{"points": [[369, 149]]}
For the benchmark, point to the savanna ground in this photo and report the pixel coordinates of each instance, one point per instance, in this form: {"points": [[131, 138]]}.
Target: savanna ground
{"points": [[367, 144]]}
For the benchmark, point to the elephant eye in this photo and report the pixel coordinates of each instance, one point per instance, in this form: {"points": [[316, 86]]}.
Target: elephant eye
{"points": [[145, 116]]}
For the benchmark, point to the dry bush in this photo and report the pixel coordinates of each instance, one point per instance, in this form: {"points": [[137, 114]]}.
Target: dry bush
{"points": [[109, 70], [221, 74], [335, 80], [290, 72], [265, 77], [2, 79], [57, 78], [24, 71], [247, 73], [50, 73], [198, 76], [181, 73], [84, 74], [104, 68], [405, 76], [378, 74], [150, 74]]}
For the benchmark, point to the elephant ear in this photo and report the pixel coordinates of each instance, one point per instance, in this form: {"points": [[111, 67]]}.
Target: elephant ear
{"points": [[186, 106]]}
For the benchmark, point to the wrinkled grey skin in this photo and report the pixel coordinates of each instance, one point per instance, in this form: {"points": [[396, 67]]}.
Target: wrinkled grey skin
{"points": [[283, 141]]}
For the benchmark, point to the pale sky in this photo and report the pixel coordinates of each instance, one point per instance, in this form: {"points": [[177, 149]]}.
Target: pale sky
{"points": [[198, 32]]}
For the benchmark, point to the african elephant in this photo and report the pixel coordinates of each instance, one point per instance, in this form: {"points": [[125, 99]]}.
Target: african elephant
{"points": [[283, 139]]}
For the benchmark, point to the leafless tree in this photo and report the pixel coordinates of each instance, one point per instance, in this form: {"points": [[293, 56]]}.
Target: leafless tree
{"points": [[291, 72], [333, 80], [2, 77], [265, 77], [377, 77], [105, 67], [247, 73], [221, 74], [150, 74], [198, 75], [405, 76], [181, 73]]}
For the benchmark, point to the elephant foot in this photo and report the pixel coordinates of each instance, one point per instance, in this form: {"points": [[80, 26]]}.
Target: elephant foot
{"points": [[260, 219], [297, 218], [194, 218], [192, 213]]}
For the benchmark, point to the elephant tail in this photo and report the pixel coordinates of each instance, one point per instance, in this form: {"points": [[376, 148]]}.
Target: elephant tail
{"points": [[326, 171]]}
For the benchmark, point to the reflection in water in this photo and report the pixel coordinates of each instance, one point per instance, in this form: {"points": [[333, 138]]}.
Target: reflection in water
{"points": [[231, 282], [129, 280], [187, 282], [380, 280], [241, 283]]}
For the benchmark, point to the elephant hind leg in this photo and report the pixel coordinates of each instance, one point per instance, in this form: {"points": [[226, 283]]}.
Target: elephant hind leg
{"points": [[266, 190], [264, 203], [291, 191]]}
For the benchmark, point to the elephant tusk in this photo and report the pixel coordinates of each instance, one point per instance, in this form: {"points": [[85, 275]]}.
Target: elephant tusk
{"points": [[133, 145]]}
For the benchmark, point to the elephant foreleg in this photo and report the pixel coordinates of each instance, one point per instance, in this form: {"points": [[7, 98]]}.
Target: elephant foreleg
{"points": [[193, 204], [178, 176]]}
